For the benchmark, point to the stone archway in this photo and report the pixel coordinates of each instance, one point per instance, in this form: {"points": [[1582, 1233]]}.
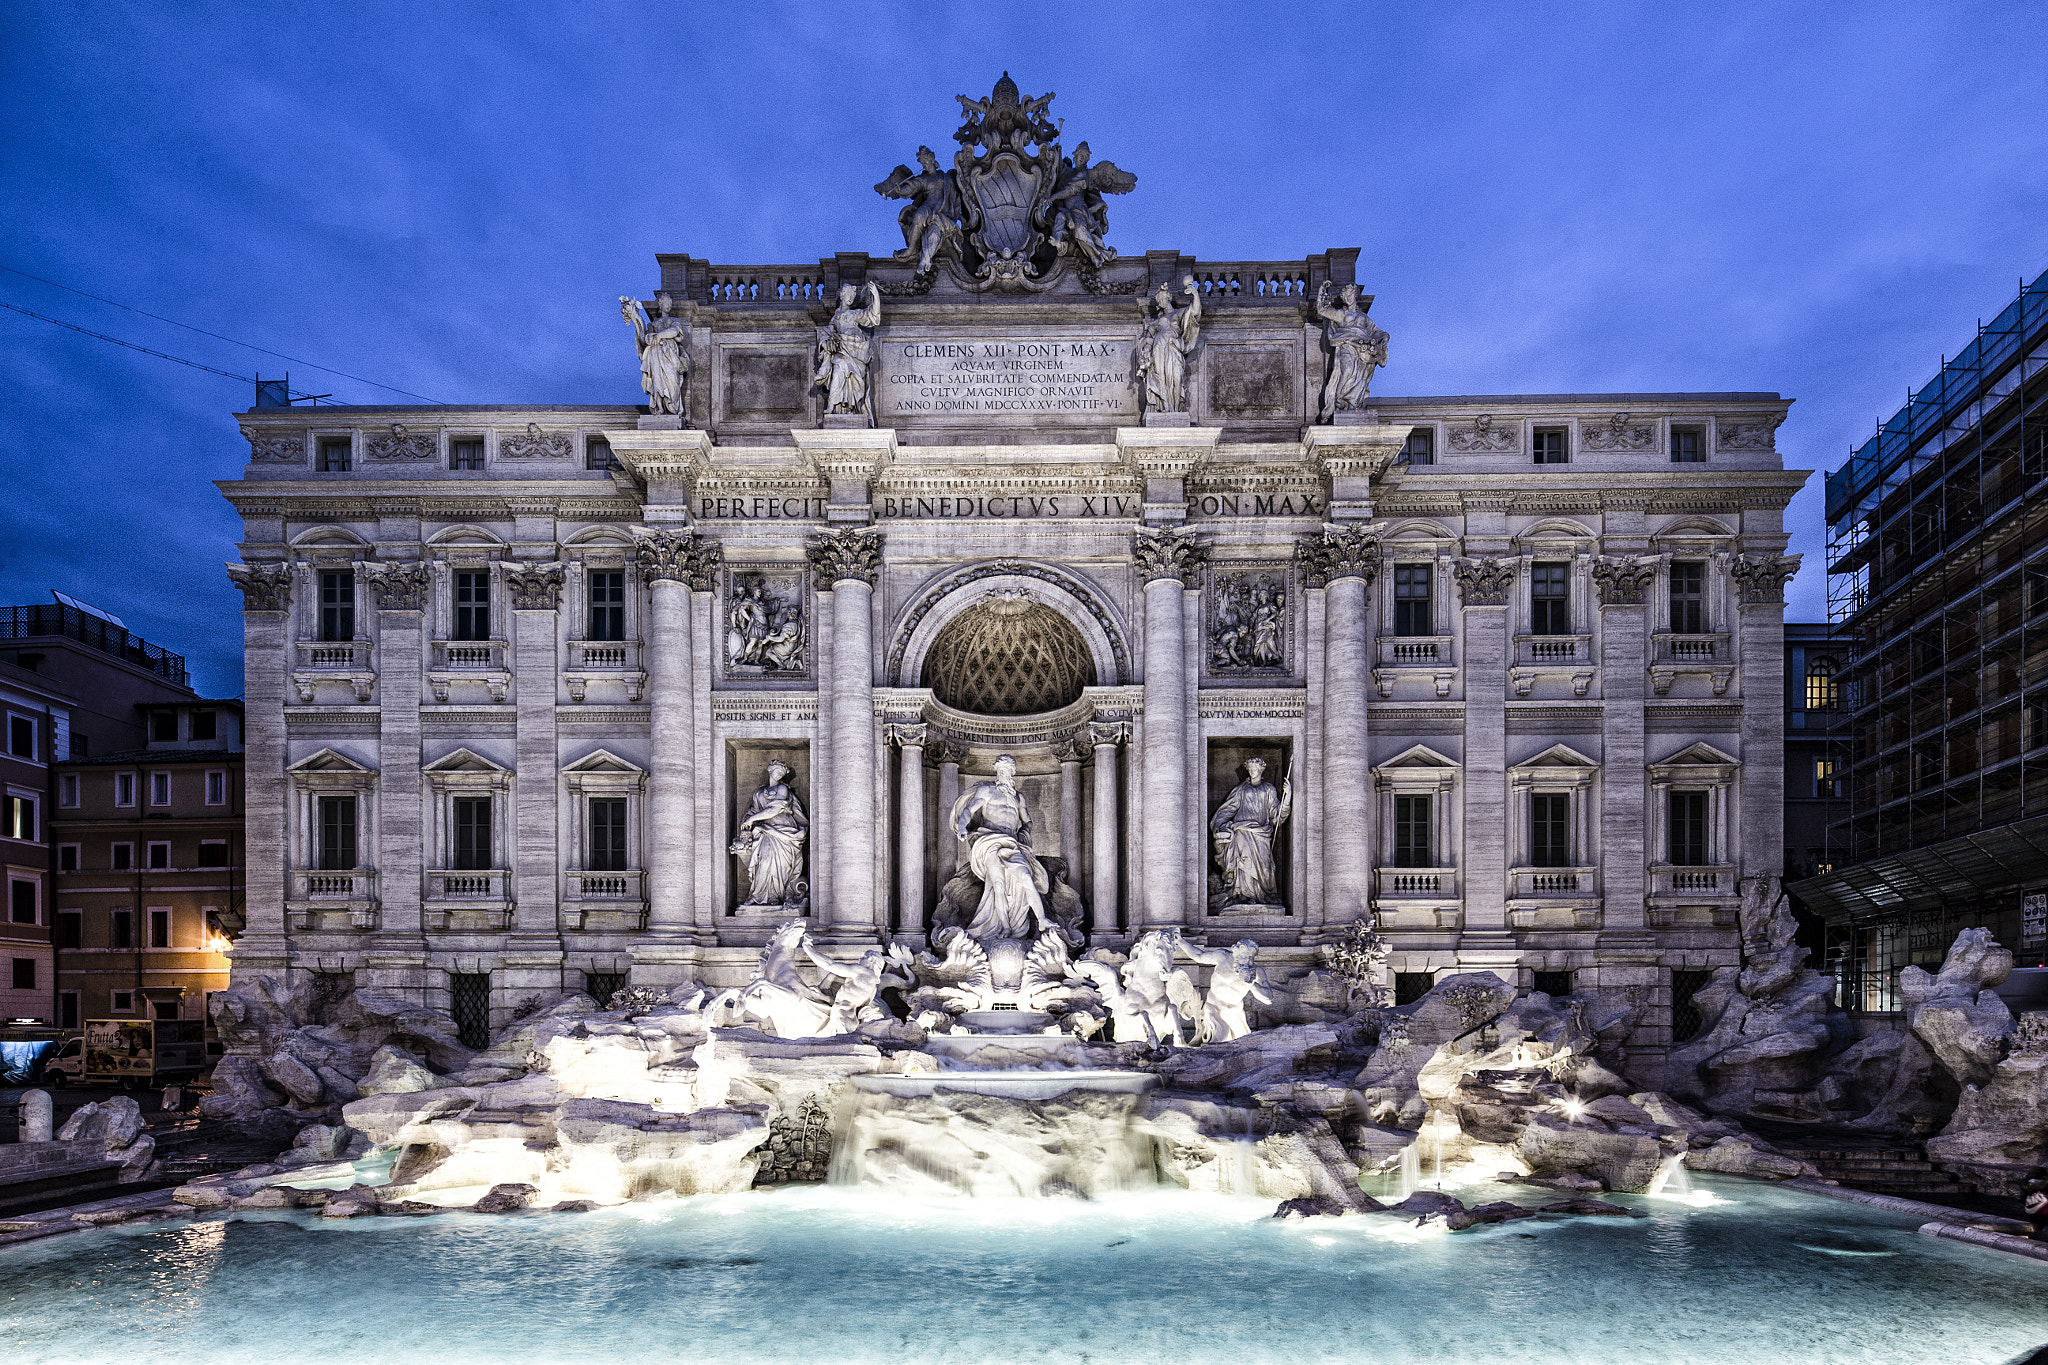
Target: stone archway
{"points": [[1008, 655], [1080, 608]]}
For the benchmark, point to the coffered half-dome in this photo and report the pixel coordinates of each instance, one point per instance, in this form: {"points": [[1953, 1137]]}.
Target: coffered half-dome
{"points": [[1008, 656]]}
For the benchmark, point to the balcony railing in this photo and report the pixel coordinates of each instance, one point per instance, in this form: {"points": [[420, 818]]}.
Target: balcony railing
{"points": [[1414, 651], [1690, 649], [1538, 650], [1553, 883], [55, 619], [607, 660], [598, 886], [492, 885], [319, 899], [1417, 883], [334, 656], [357, 885], [483, 656], [1715, 883]]}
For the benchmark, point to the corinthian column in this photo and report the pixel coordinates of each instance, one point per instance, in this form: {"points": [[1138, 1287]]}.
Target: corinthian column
{"points": [[910, 840], [401, 593], [1105, 736], [847, 563], [1343, 562], [1167, 561], [261, 947], [673, 563]]}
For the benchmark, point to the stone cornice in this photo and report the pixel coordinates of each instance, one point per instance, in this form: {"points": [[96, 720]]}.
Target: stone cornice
{"points": [[1166, 452], [846, 453], [1360, 452]]}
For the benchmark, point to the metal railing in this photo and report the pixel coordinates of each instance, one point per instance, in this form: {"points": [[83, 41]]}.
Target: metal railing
{"points": [[69, 623]]}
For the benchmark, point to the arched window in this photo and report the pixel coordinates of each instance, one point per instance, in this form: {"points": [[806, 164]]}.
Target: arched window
{"points": [[1823, 691]]}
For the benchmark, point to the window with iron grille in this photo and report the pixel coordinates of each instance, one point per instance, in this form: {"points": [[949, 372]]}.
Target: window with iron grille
{"points": [[1411, 832], [338, 604], [472, 833], [1688, 445], [1686, 1018], [1550, 447], [466, 452], [334, 455], [1410, 987], [608, 834], [602, 986], [1420, 447], [1687, 827], [1552, 983], [1550, 829], [1688, 597], [1550, 604], [597, 454], [473, 606], [1412, 615], [470, 1003], [607, 593], [337, 833]]}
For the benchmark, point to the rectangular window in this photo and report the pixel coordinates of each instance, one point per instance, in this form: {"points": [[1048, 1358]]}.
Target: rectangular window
{"points": [[21, 737], [1688, 829], [472, 833], [67, 1009], [81, 746], [67, 790], [159, 789], [597, 454], [1550, 829], [121, 857], [203, 724], [70, 928], [607, 591], [1550, 604], [1411, 832], [213, 853], [334, 454], [1688, 445], [121, 1002], [160, 856], [473, 606], [21, 818], [216, 788], [159, 927], [337, 833], [1420, 447], [1826, 783], [1550, 447], [124, 789], [21, 903], [466, 452], [338, 604], [163, 727], [67, 857], [24, 973], [608, 834], [1551, 983], [1412, 615], [121, 928], [1688, 597]]}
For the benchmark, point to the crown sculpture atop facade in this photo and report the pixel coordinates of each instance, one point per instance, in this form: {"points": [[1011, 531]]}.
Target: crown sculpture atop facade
{"points": [[1015, 211]]}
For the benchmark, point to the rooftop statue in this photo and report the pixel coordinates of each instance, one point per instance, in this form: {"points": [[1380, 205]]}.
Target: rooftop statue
{"points": [[1166, 338], [664, 355], [931, 221], [1357, 348], [1076, 216], [846, 346]]}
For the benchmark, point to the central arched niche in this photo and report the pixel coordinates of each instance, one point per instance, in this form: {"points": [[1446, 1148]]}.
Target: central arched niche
{"points": [[1008, 655]]}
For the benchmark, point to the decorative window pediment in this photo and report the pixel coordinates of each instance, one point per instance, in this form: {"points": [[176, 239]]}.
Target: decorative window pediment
{"points": [[467, 771], [1556, 756], [1697, 764], [605, 772], [331, 768]]}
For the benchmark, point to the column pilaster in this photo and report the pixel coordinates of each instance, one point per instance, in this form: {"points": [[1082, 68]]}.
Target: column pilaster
{"points": [[948, 755], [910, 836], [535, 863], [1167, 562], [1343, 563], [1486, 943], [1622, 585], [397, 953], [847, 564], [262, 947], [1759, 582], [1105, 737]]}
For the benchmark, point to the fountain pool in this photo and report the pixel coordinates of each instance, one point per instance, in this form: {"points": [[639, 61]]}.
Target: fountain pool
{"points": [[1760, 1274]]}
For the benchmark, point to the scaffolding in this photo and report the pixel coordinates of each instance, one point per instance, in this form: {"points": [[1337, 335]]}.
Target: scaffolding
{"points": [[1938, 611]]}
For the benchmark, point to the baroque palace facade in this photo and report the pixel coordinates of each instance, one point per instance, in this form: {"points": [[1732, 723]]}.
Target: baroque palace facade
{"points": [[559, 697]]}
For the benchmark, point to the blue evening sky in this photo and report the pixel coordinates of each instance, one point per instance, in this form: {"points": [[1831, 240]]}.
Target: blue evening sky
{"points": [[1815, 199]]}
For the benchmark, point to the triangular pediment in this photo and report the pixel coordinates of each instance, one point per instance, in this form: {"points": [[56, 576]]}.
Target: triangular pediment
{"points": [[464, 761], [604, 761], [1558, 756], [1418, 756], [328, 761], [1698, 754]]}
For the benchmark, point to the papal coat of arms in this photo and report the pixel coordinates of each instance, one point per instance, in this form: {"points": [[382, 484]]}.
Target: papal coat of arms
{"points": [[1015, 210]]}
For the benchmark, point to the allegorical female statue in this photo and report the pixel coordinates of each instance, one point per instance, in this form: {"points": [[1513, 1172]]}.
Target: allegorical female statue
{"points": [[664, 355], [845, 346], [994, 823], [771, 838], [1165, 340], [1243, 830], [1357, 348]]}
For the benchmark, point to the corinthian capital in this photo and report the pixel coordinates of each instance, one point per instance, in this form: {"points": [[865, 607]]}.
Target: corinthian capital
{"points": [[1108, 733], [1485, 582], [534, 587], [1338, 552], [854, 554], [1760, 579], [1623, 582], [680, 556], [1170, 552], [907, 736], [398, 587], [265, 587]]}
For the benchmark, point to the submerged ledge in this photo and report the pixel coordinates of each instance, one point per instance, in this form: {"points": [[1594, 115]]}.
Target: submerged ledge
{"points": [[1017, 1085]]}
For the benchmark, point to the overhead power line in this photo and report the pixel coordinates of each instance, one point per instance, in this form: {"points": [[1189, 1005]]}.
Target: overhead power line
{"points": [[203, 332], [160, 355]]}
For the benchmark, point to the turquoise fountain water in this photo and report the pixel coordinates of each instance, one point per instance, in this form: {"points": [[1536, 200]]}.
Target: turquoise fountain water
{"points": [[1742, 1271]]}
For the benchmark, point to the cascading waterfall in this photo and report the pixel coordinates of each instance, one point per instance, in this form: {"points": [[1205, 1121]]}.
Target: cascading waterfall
{"points": [[1671, 1180], [1411, 1169]]}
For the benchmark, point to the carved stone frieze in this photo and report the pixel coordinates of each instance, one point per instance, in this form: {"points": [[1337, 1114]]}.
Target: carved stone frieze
{"points": [[265, 587], [535, 587], [680, 556], [398, 587], [1484, 582], [535, 444], [1623, 581], [1619, 432], [1483, 436], [852, 555], [1169, 552], [1760, 434], [1760, 579], [275, 449], [1248, 619], [405, 443], [767, 630]]}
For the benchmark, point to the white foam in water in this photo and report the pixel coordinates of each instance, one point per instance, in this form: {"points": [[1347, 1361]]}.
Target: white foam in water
{"points": [[850, 1275]]}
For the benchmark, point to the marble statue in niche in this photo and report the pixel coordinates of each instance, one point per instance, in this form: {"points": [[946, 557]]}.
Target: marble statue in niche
{"points": [[1248, 628], [846, 346], [931, 220], [1357, 348], [664, 355], [1166, 338], [994, 822], [765, 626], [770, 841], [1243, 830]]}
